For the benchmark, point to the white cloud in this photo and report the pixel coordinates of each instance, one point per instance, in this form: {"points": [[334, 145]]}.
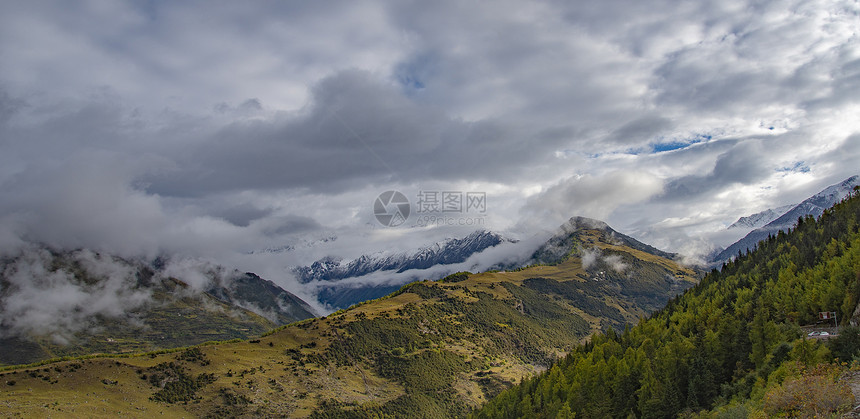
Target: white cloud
{"points": [[590, 257]]}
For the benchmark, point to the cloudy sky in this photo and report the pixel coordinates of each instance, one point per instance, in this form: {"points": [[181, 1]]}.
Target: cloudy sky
{"points": [[219, 129]]}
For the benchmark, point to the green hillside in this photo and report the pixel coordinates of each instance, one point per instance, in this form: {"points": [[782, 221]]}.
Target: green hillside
{"points": [[432, 349], [736, 345]]}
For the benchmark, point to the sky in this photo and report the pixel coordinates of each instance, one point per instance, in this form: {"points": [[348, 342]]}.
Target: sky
{"points": [[259, 134]]}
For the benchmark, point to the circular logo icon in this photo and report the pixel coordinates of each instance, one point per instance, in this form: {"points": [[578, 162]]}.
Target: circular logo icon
{"points": [[391, 208]]}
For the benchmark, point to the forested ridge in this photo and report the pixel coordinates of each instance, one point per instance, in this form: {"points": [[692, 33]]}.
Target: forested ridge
{"points": [[732, 346]]}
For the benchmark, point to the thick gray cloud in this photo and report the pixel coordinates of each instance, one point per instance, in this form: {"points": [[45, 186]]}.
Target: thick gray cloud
{"points": [[590, 196], [739, 165], [641, 128], [220, 129]]}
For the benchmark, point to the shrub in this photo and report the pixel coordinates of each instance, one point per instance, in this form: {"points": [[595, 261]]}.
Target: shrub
{"points": [[814, 394], [457, 277]]}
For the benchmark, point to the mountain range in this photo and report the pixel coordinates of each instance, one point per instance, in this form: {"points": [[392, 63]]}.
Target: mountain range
{"points": [[433, 348], [446, 252], [160, 306], [437, 348], [330, 271], [814, 206]]}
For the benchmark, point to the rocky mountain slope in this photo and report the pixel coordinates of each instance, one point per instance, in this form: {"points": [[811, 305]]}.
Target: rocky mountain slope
{"points": [[565, 241]]}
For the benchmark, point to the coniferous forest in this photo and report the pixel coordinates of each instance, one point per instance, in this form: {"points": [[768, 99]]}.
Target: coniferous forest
{"points": [[733, 346]]}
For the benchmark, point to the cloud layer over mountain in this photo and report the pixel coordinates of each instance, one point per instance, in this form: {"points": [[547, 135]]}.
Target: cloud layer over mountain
{"points": [[214, 129]]}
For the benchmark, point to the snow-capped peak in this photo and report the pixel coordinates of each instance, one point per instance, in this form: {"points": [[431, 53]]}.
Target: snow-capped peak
{"points": [[761, 218], [445, 252]]}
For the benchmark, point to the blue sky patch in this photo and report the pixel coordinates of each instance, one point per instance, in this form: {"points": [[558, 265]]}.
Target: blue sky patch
{"points": [[677, 145], [799, 166]]}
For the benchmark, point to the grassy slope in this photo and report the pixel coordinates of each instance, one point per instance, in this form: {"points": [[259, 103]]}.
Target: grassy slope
{"points": [[437, 348]]}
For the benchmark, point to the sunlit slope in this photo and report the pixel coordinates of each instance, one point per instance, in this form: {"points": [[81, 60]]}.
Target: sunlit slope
{"points": [[433, 348]]}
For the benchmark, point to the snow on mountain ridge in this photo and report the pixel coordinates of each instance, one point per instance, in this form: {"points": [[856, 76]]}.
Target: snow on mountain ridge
{"points": [[446, 252], [814, 206], [304, 243], [762, 218]]}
